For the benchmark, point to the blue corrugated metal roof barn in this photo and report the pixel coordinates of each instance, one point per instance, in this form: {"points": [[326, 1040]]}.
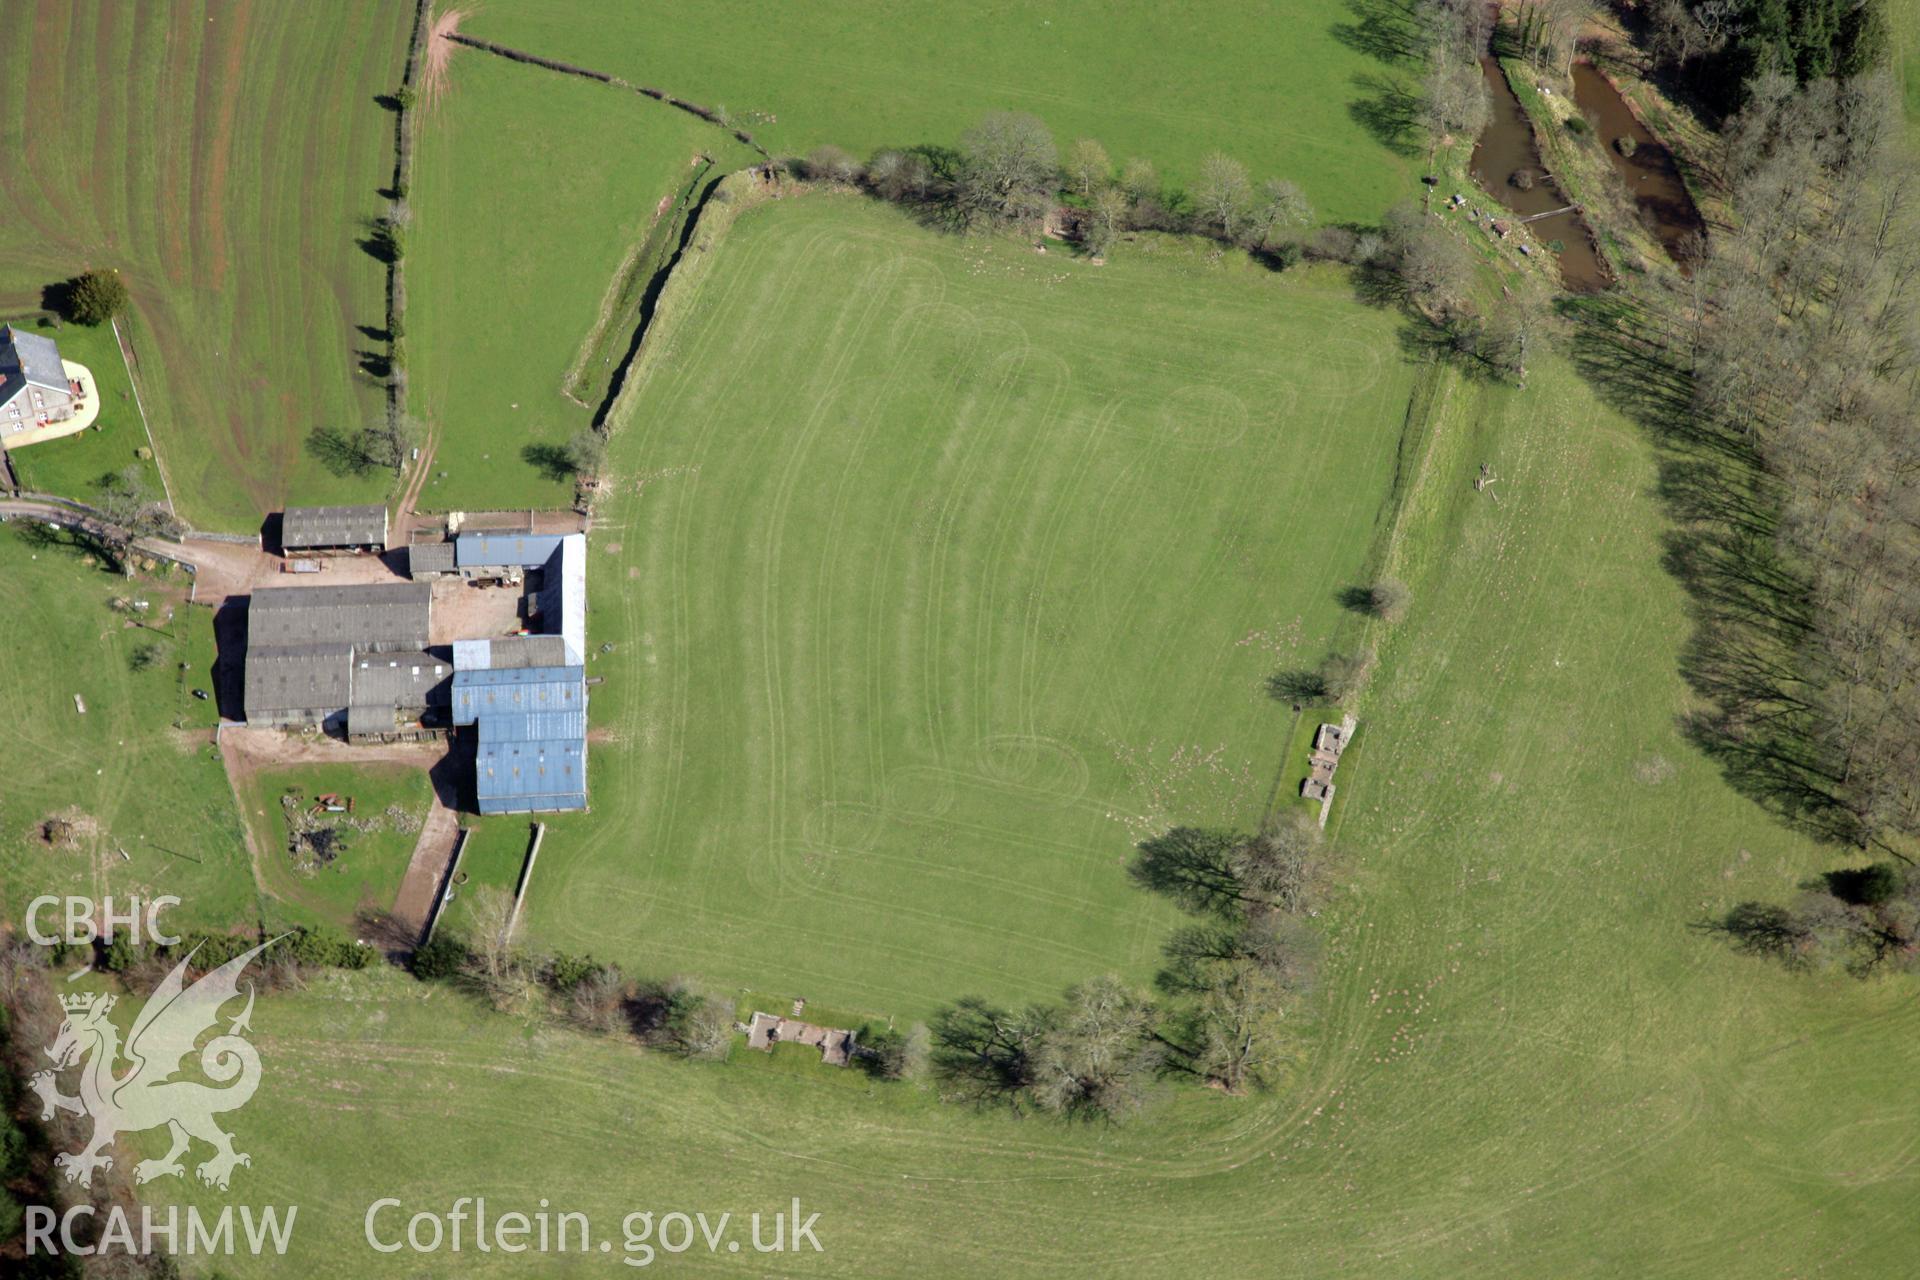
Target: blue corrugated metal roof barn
{"points": [[532, 736]]}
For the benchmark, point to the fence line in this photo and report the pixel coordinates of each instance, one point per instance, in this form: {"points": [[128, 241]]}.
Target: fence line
{"points": [[526, 876], [133, 380]]}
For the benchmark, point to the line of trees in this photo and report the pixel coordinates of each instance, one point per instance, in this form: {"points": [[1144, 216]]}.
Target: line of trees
{"points": [[1453, 93], [1547, 32], [1219, 1015], [679, 1015], [1008, 171], [1230, 980], [1806, 351], [302, 952]]}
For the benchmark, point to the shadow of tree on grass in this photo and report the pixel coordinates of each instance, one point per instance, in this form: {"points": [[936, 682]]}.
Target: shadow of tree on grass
{"points": [[1747, 657]]}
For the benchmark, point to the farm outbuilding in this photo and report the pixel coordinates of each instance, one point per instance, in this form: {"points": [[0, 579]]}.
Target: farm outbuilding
{"points": [[375, 616], [389, 692], [427, 560], [486, 554], [298, 684], [530, 725], [510, 651], [334, 529], [312, 654]]}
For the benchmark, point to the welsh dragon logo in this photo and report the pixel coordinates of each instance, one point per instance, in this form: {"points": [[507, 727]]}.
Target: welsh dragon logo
{"points": [[147, 1095]]}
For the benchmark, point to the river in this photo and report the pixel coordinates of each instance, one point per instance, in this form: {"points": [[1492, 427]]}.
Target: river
{"points": [[1650, 175], [1506, 161]]}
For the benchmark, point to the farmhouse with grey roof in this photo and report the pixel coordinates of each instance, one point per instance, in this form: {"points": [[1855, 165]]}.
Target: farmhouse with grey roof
{"points": [[34, 389], [334, 529]]}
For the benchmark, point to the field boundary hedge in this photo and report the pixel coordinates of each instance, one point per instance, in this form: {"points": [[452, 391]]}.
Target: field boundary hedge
{"points": [[403, 130], [708, 114]]}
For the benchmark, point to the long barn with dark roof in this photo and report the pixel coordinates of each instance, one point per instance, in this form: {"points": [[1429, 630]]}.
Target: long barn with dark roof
{"points": [[316, 653], [323, 529]]}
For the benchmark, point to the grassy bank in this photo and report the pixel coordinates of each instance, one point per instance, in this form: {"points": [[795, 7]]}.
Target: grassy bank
{"points": [[531, 192]]}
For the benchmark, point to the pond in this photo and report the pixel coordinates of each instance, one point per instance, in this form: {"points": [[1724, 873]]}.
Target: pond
{"points": [[1644, 164], [1506, 162]]}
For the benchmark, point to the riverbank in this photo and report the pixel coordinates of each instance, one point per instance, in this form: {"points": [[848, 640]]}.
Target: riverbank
{"points": [[1636, 183], [1510, 163]]}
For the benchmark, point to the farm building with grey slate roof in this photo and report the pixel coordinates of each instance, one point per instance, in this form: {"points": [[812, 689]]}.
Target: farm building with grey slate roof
{"points": [[304, 645], [432, 559], [386, 615], [334, 529]]}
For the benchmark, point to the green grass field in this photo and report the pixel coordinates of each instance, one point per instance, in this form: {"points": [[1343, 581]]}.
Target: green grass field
{"points": [[1276, 85], [140, 784], [936, 572], [530, 190], [494, 854], [222, 156], [368, 874], [1527, 1060], [74, 465], [940, 572]]}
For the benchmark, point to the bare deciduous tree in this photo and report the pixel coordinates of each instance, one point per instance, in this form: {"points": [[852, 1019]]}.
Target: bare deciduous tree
{"points": [[1008, 167], [1088, 166], [494, 959], [1282, 208], [1099, 1055], [1106, 219], [1139, 179], [1284, 865], [1224, 193], [828, 163], [1239, 1028]]}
